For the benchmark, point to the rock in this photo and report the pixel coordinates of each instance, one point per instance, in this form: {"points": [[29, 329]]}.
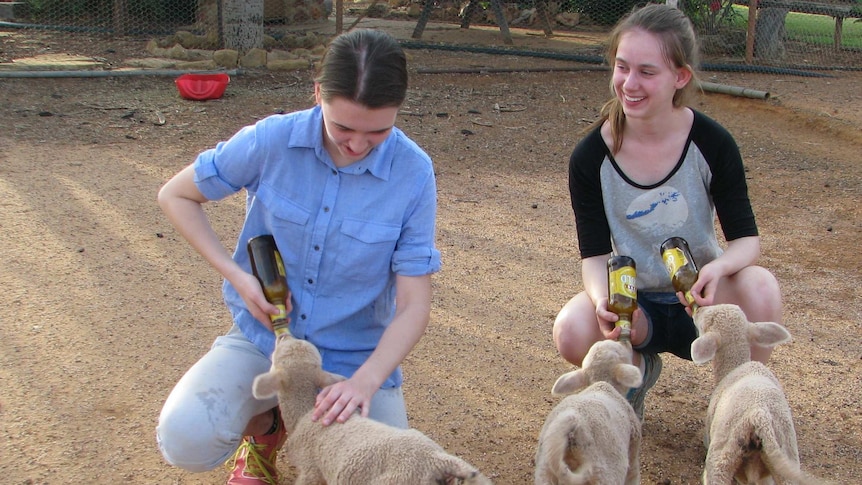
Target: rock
{"points": [[177, 52], [226, 58], [151, 63], [280, 55], [569, 19], [253, 58], [197, 65]]}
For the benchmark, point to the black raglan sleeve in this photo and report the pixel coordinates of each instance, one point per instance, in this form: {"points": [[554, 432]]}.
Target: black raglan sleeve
{"points": [[729, 189], [585, 189]]}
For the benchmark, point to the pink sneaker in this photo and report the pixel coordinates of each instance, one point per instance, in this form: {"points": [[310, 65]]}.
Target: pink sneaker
{"points": [[254, 460]]}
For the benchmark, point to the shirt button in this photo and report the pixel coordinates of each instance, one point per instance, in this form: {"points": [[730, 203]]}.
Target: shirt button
{"points": [[316, 247], [303, 316], [326, 209], [310, 281], [334, 172]]}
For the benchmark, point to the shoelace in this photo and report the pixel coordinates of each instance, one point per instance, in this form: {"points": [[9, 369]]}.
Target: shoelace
{"points": [[255, 463]]}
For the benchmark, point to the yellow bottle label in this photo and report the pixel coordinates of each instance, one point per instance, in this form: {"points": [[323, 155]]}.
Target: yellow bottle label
{"points": [[674, 259], [690, 299], [623, 282]]}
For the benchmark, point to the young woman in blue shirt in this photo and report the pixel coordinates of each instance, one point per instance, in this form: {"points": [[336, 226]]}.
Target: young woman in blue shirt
{"points": [[351, 203]]}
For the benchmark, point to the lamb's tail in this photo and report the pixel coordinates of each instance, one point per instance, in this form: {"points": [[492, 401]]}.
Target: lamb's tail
{"points": [[454, 470], [788, 470], [557, 446], [781, 465]]}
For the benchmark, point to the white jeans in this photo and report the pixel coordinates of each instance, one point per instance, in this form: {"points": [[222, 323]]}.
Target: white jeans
{"points": [[202, 421]]}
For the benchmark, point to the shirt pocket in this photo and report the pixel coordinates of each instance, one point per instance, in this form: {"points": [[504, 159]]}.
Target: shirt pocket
{"points": [[365, 250], [288, 221]]}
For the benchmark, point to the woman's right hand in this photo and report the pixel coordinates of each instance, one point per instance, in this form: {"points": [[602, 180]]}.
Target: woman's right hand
{"points": [[248, 287], [606, 319]]}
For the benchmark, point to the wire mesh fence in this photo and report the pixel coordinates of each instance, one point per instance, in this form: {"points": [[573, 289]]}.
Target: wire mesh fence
{"points": [[819, 34]]}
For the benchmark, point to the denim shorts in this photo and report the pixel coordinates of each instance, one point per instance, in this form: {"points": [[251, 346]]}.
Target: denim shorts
{"points": [[671, 329]]}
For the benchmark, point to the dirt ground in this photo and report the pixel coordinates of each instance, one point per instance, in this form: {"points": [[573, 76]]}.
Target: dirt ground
{"points": [[105, 306]]}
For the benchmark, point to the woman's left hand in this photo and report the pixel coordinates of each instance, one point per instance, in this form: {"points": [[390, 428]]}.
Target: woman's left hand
{"points": [[337, 402], [703, 290]]}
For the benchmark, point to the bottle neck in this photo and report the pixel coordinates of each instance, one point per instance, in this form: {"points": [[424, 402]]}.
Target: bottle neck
{"points": [[625, 325], [281, 326]]}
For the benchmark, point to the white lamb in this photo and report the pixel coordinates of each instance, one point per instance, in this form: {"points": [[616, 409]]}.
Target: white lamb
{"points": [[593, 437], [360, 451], [750, 436]]}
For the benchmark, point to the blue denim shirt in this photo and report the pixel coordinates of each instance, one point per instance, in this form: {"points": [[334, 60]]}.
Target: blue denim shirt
{"points": [[343, 233]]}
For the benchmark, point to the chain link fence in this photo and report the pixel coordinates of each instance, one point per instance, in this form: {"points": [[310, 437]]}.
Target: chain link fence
{"points": [[743, 34]]}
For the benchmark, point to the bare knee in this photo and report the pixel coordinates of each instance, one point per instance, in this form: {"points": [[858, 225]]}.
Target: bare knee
{"points": [[566, 342], [576, 329], [758, 294]]}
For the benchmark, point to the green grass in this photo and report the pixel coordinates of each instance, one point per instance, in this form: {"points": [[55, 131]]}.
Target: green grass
{"points": [[814, 29]]}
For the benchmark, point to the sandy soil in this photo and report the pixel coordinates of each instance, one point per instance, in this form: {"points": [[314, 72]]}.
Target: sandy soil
{"points": [[105, 306]]}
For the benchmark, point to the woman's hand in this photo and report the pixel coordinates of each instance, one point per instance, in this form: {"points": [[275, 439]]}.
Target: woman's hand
{"points": [[740, 253], [248, 287], [703, 289], [607, 321], [338, 402]]}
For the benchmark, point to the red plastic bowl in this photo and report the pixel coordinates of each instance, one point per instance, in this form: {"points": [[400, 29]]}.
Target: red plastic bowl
{"points": [[200, 87]]}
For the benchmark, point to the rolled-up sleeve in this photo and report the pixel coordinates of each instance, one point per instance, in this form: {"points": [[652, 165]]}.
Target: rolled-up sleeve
{"points": [[207, 178], [416, 261], [233, 164], [416, 253]]}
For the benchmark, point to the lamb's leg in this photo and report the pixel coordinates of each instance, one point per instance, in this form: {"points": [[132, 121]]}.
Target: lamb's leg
{"points": [[542, 479], [721, 465], [633, 475]]}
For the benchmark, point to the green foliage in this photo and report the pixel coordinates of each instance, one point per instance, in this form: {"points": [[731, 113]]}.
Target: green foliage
{"points": [[811, 28], [709, 16]]}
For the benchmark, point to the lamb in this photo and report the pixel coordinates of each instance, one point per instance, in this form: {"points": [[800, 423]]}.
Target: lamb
{"points": [[750, 435], [593, 437], [359, 451]]}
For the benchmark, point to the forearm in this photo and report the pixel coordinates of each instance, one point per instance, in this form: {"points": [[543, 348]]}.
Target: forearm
{"points": [[594, 272], [740, 253], [412, 314], [182, 203]]}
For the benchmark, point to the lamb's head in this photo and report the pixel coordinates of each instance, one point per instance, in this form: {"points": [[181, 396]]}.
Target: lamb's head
{"points": [[607, 360], [725, 329], [294, 362]]}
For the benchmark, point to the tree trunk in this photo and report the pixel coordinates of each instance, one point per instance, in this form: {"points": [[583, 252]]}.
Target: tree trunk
{"points": [[242, 24], [769, 36]]}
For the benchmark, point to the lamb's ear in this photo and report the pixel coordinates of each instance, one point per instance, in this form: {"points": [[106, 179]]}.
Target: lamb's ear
{"points": [[265, 385], [570, 382], [704, 347], [768, 334], [628, 375], [323, 379]]}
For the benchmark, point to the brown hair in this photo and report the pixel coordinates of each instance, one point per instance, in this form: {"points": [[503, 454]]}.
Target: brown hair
{"points": [[365, 66], [679, 46]]}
